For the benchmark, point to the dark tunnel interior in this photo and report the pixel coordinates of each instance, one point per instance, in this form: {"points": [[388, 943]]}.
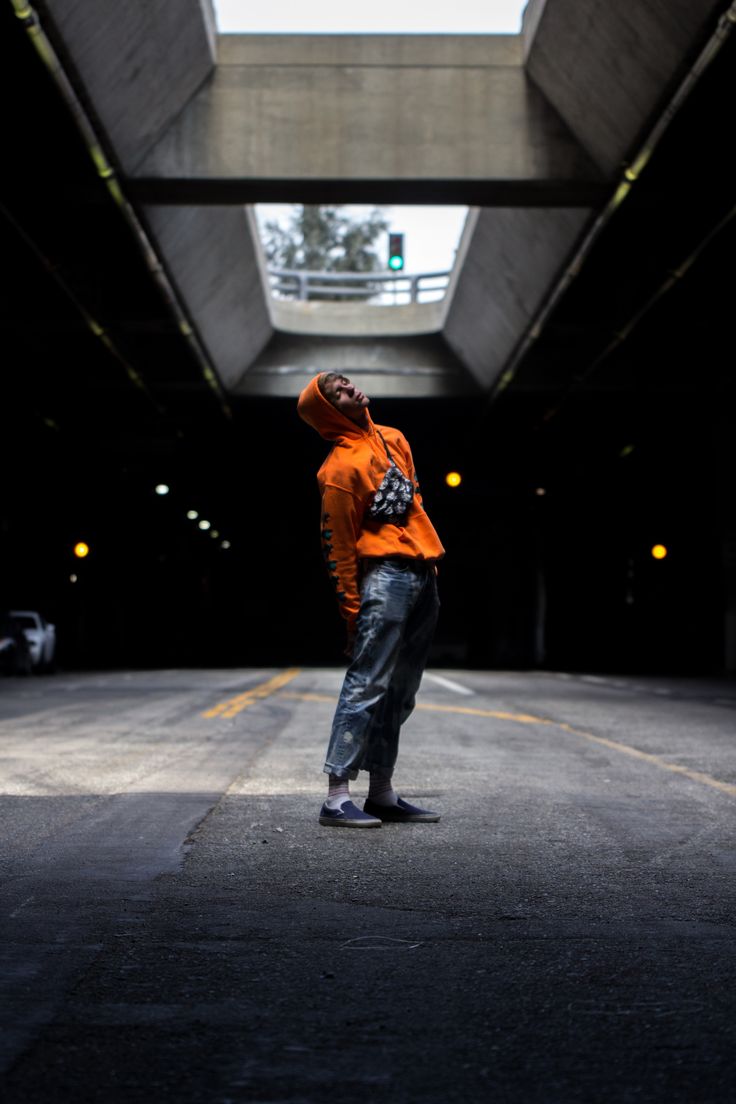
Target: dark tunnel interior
{"points": [[615, 435]]}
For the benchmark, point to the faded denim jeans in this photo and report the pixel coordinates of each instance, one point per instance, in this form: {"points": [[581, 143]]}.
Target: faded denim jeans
{"points": [[394, 629]]}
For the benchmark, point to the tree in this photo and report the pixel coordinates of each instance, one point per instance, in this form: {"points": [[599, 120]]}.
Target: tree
{"points": [[323, 239]]}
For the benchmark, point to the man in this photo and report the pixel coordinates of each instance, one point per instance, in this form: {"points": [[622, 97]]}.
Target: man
{"points": [[381, 551]]}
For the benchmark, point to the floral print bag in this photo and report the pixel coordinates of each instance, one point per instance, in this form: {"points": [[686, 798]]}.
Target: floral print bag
{"points": [[395, 495]]}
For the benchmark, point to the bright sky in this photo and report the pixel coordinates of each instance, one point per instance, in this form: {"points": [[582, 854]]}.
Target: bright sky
{"points": [[431, 234], [374, 17]]}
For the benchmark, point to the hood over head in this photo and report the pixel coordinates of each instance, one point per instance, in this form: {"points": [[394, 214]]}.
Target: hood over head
{"points": [[318, 412]]}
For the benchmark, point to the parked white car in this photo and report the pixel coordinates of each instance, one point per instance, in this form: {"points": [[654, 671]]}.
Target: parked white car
{"points": [[41, 637]]}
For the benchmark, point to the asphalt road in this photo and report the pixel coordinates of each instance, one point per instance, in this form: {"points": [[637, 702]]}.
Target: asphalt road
{"points": [[176, 926]]}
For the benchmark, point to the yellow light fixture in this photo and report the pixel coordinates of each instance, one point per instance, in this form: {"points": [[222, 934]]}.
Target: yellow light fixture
{"points": [[453, 479], [81, 550], [659, 551]]}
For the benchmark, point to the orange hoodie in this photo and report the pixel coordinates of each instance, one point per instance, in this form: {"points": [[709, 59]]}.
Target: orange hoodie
{"points": [[348, 479]]}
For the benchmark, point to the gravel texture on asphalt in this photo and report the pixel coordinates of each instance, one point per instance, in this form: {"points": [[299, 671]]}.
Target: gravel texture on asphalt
{"points": [[177, 925]]}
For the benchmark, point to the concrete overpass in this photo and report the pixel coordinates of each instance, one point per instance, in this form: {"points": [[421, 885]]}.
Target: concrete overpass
{"points": [[541, 133], [172, 914]]}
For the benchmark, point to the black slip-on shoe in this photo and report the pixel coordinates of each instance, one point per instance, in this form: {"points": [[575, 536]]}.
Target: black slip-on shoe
{"points": [[400, 813], [347, 816]]}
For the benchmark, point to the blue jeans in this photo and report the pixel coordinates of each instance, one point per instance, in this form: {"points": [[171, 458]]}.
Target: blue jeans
{"points": [[394, 629]]}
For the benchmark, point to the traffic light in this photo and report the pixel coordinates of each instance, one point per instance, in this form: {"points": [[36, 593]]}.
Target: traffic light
{"points": [[396, 252]]}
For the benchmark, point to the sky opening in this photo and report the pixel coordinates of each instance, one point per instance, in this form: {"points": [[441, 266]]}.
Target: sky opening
{"points": [[431, 234], [378, 17]]}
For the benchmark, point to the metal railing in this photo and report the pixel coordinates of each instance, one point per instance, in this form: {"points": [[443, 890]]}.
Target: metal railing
{"points": [[375, 288]]}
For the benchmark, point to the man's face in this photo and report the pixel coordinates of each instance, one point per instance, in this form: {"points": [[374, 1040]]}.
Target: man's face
{"points": [[346, 398]]}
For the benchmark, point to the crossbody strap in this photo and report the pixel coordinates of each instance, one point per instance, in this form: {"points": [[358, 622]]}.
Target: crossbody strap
{"points": [[391, 459], [408, 478]]}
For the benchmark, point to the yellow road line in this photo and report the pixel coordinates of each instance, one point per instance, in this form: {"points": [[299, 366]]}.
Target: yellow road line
{"points": [[233, 706], [520, 718], [529, 719], [655, 760]]}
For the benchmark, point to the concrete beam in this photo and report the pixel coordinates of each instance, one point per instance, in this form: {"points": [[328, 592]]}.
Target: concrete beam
{"points": [[609, 68], [294, 117], [382, 51]]}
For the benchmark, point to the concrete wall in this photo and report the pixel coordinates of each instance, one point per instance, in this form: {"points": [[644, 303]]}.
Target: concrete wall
{"points": [[398, 366], [607, 67], [139, 61], [356, 319], [512, 260], [210, 254]]}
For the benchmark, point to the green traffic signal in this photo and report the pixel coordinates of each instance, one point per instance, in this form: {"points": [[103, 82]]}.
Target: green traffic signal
{"points": [[396, 252]]}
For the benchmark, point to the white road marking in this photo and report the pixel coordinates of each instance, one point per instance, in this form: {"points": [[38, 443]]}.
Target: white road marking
{"points": [[448, 684]]}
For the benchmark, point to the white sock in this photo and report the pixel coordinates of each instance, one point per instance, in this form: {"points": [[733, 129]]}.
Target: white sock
{"points": [[380, 789], [338, 791]]}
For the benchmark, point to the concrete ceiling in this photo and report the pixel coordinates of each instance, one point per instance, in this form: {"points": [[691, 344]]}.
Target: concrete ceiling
{"points": [[79, 278], [537, 130]]}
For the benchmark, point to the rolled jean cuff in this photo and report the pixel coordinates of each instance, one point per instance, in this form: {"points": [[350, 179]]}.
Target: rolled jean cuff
{"points": [[340, 772], [379, 768]]}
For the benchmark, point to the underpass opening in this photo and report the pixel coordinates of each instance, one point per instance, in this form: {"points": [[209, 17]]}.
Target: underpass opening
{"points": [[325, 17]]}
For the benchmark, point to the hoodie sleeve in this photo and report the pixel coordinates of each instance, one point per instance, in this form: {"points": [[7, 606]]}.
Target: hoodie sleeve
{"points": [[342, 516]]}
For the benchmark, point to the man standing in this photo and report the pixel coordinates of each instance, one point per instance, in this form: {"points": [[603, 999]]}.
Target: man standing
{"points": [[381, 550]]}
